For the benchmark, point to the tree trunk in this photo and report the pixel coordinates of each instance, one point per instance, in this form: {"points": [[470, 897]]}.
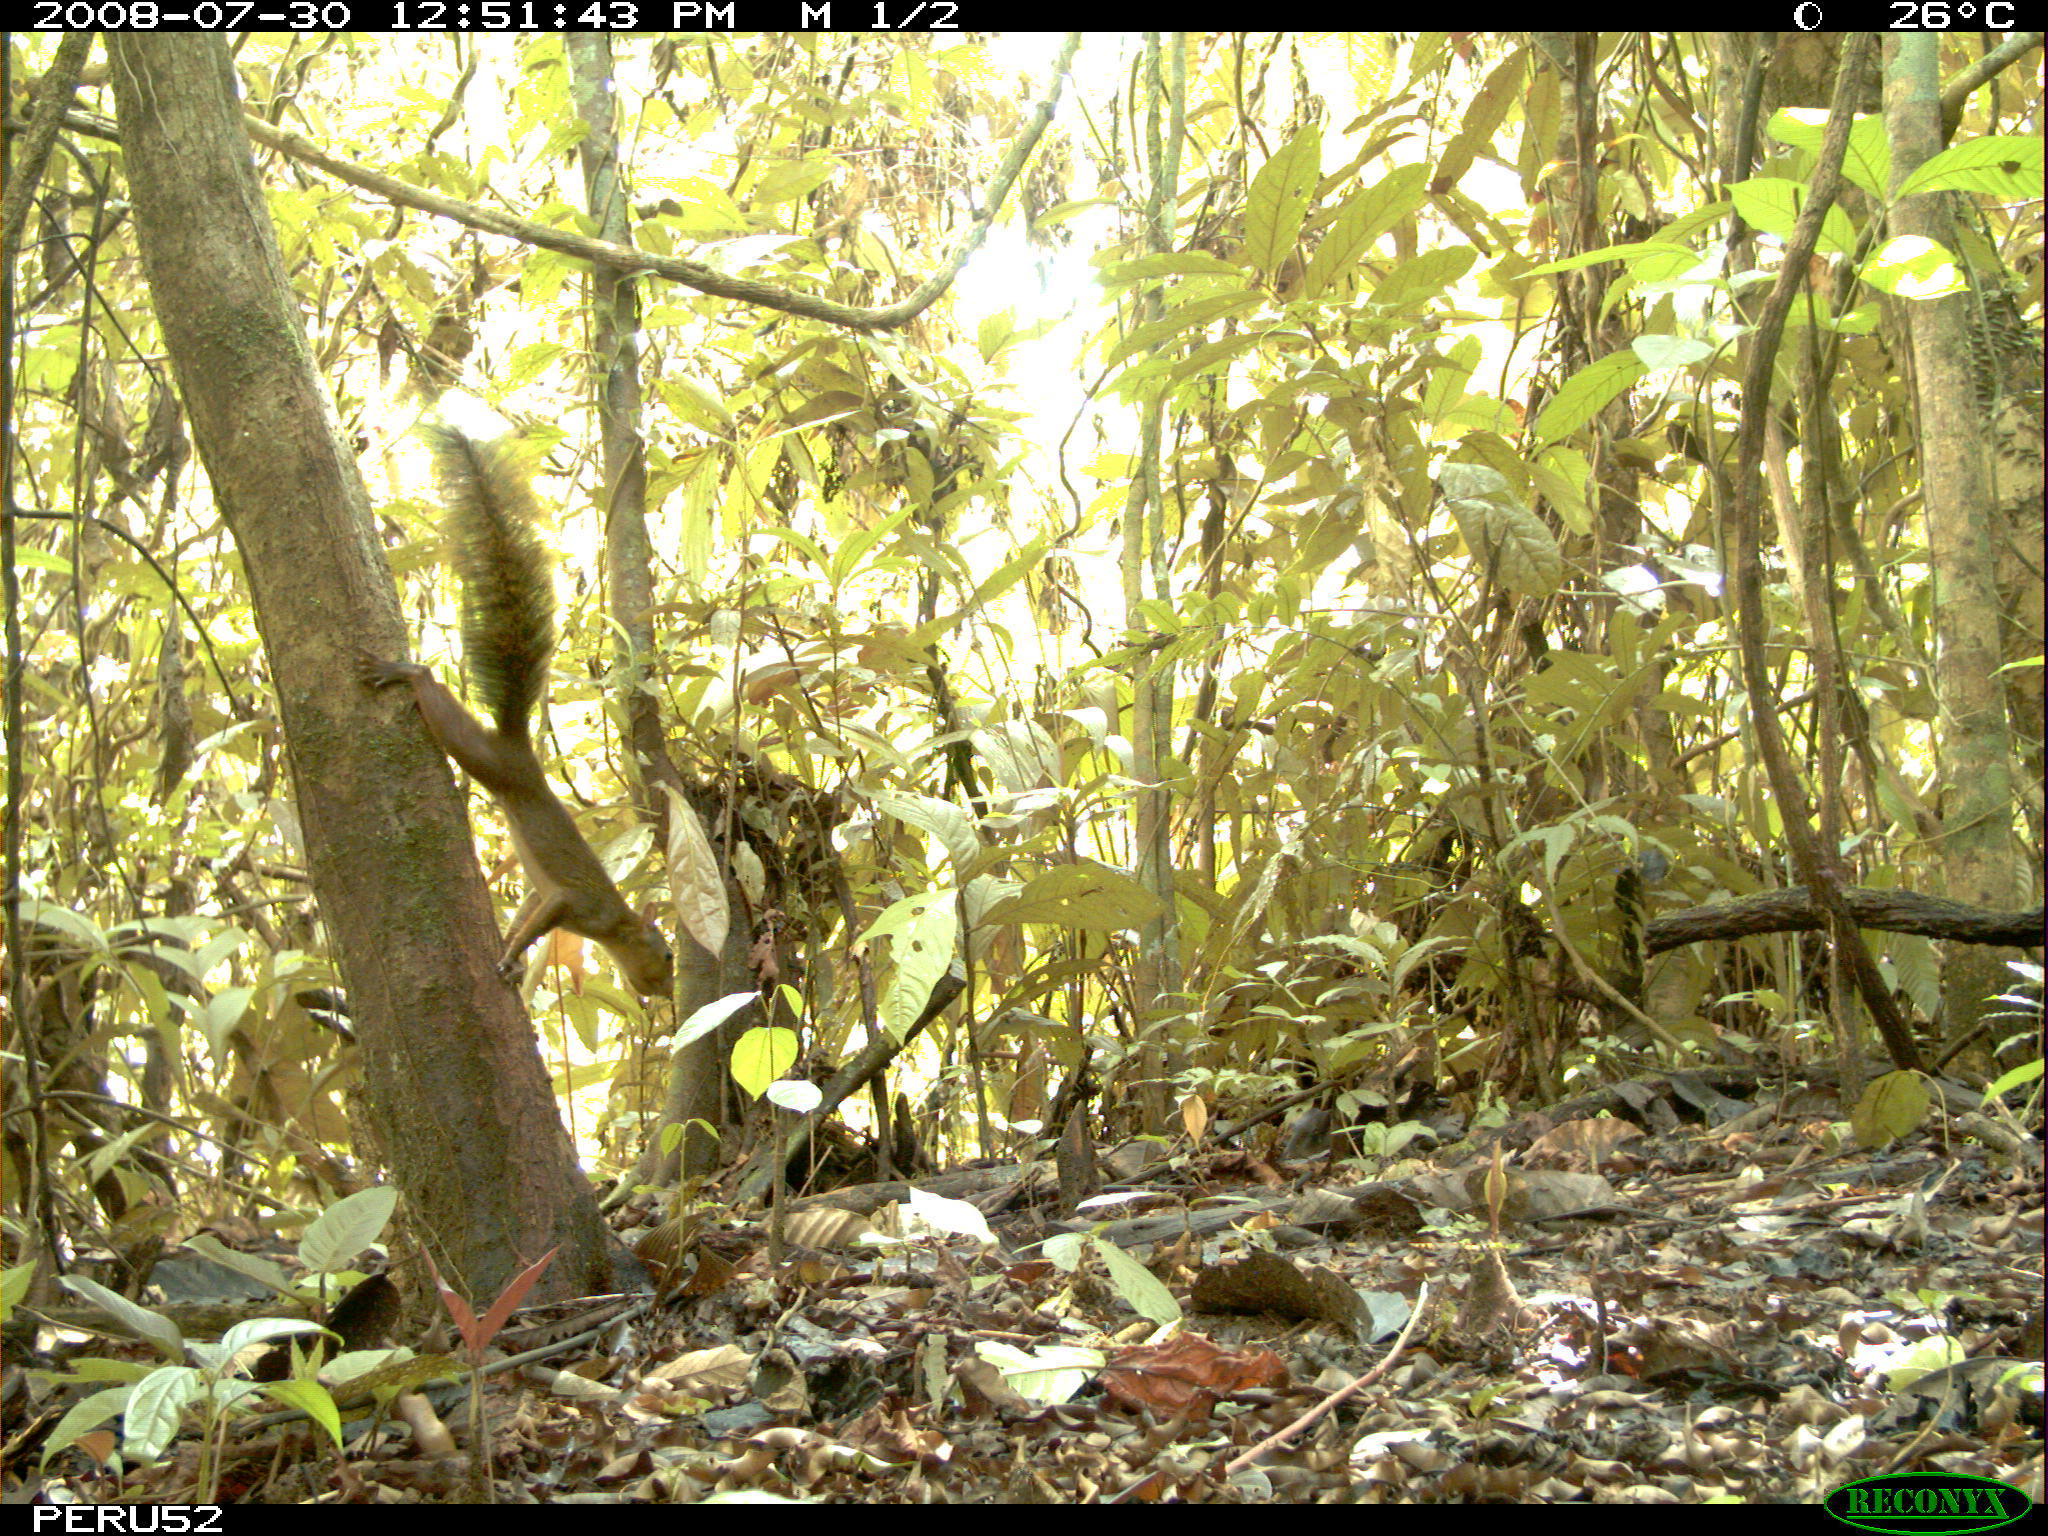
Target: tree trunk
{"points": [[456, 1096]]}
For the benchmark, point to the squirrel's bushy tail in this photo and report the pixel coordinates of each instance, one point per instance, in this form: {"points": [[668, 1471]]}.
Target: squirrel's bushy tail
{"points": [[508, 592]]}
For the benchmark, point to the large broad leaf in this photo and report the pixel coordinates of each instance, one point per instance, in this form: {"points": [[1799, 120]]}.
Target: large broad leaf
{"points": [[139, 1320], [1278, 200], [1481, 120], [2003, 166], [1080, 896], [346, 1228], [1585, 393], [1517, 548], [1365, 216], [1428, 275]]}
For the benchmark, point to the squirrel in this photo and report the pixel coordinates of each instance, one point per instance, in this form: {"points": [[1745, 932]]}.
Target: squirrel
{"points": [[508, 634]]}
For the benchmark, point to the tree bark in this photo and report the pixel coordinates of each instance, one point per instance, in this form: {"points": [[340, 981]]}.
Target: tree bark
{"points": [[1793, 910], [456, 1097]]}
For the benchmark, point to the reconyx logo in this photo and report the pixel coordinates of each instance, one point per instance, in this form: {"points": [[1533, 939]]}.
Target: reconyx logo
{"points": [[1922, 1502]]}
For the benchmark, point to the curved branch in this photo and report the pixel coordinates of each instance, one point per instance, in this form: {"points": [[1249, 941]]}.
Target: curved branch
{"points": [[1793, 910], [635, 262]]}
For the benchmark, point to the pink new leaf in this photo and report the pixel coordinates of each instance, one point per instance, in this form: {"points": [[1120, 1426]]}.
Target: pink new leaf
{"points": [[458, 1309], [514, 1293]]}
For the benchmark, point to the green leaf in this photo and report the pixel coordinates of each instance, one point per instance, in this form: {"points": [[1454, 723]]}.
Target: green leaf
{"points": [[1278, 200], [1141, 1290], [1050, 1374], [1124, 274], [1482, 118], [258, 1330], [139, 1320], [904, 914], [1008, 574], [1916, 968], [1772, 204], [853, 549], [1651, 261], [761, 1055], [794, 1094], [2026, 1072], [346, 1228], [155, 1404], [787, 180], [83, 1417], [1429, 274], [809, 548], [395, 1375], [923, 953], [257, 1268], [1892, 1106], [2002, 166], [1515, 546], [223, 1012], [1586, 393], [80, 930], [1658, 351], [953, 827], [14, 1283], [1143, 341], [311, 1399], [1913, 267], [1363, 218], [707, 1019], [1867, 163], [953, 1218], [1080, 896]]}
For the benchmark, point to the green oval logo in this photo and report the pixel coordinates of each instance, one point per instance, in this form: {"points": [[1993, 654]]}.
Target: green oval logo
{"points": [[1915, 1502]]}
